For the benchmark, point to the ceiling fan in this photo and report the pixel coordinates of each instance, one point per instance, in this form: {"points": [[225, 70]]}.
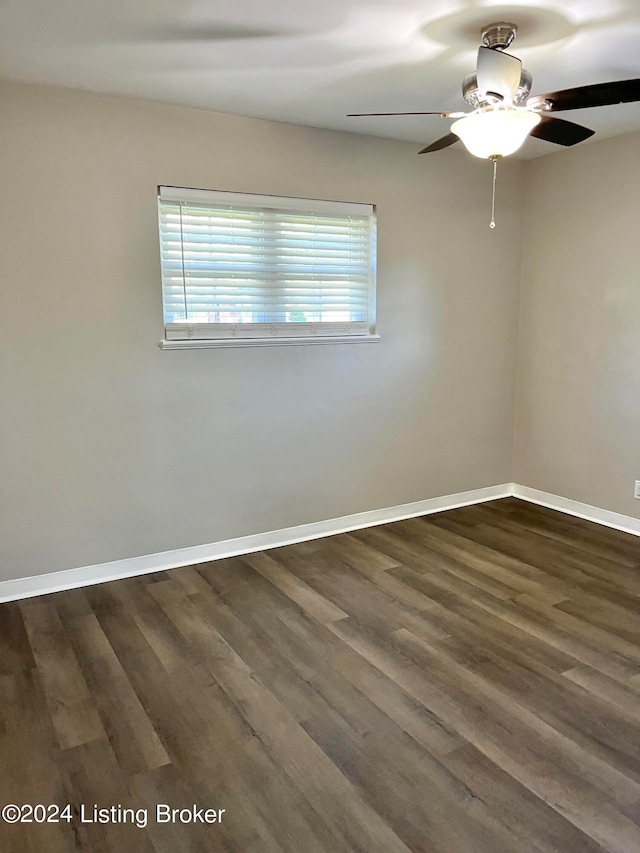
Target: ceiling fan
{"points": [[503, 115]]}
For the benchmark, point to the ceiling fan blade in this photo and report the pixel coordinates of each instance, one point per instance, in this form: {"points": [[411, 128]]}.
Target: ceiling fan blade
{"points": [[498, 73], [582, 97], [560, 131], [439, 144], [443, 114]]}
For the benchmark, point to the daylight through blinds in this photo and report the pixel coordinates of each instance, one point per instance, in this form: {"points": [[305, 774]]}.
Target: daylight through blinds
{"points": [[236, 265]]}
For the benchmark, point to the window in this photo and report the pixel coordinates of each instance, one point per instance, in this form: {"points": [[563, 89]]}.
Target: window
{"points": [[238, 266]]}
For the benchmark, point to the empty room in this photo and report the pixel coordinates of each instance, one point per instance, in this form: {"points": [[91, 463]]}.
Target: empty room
{"points": [[320, 432]]}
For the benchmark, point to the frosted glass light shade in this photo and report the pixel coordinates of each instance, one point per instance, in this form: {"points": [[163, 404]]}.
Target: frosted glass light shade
{"points": [[496, 133]]}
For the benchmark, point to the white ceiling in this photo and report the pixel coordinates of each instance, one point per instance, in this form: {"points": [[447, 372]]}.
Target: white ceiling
{"points": [[313, 62]]}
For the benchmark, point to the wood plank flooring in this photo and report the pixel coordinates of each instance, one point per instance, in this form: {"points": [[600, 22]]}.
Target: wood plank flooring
{"points": [[466, 682]]}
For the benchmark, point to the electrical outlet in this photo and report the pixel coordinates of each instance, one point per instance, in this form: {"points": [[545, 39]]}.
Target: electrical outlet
{"points": [[636, 491]]}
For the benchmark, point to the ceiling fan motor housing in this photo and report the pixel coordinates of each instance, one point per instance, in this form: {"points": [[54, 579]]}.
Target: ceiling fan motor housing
{"points": [[476, 99]]}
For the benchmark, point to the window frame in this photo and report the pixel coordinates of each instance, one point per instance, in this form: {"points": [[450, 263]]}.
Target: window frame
{"points": [[183, 334]]}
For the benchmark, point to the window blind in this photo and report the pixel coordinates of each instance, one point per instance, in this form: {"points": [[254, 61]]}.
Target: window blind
{"points": [[238, 265]]}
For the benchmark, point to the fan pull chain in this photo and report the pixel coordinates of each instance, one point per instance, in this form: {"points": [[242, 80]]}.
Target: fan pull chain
{"points": [[492, 224]]}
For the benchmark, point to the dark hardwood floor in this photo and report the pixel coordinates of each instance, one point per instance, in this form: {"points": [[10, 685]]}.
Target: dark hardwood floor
{"points": [[466, 682]]}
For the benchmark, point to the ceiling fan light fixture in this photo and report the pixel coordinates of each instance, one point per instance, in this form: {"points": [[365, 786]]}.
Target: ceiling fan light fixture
{"points": [[495, 133]]}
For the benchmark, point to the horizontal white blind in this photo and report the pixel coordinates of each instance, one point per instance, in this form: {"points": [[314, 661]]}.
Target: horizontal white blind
{"points": [[235, 265]]}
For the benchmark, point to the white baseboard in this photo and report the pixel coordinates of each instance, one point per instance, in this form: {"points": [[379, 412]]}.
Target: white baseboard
{"points": [[10, 590], [592, 513]]}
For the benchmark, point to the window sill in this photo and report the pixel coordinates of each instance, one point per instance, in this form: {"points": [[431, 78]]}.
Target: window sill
{"points": [[269, 342]]}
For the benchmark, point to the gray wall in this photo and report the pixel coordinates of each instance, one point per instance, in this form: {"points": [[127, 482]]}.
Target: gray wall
{"points": [[111, 448], [578, 410]]}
